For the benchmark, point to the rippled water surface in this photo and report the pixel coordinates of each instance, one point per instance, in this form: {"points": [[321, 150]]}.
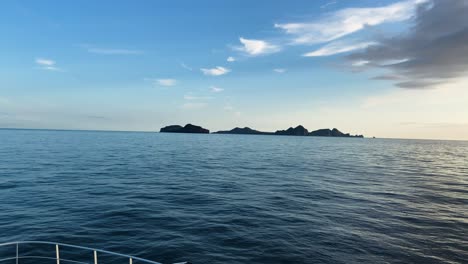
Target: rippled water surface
{"points": [[236, 198]]}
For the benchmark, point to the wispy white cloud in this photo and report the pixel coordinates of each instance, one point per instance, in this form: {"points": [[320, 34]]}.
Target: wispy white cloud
{"points": [[255, 47], [195, 102], [166, 82], [229, 108], [193, 105], [215, 71], [338, 47], [328, 4], [231, 59], [279, 70], [347, 21], [185, 66], [191, 97], [216, 89], [110, 51], [360, 63], [47, 64]]}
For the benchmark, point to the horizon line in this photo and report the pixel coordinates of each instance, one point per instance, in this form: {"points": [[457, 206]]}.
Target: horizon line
{"points": [[151, 131]]}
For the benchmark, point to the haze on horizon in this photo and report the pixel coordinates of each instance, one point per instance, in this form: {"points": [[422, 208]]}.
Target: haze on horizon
{"points": [[385, 68]]}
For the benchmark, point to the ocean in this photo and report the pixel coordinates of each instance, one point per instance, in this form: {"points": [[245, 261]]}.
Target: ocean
{"points": [[237, 198]]}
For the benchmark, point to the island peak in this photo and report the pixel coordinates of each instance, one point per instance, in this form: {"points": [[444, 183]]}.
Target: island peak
{"points": [[189, 128]]}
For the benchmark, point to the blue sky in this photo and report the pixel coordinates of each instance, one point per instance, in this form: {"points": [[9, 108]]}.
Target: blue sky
{"points": [[140, 65]]}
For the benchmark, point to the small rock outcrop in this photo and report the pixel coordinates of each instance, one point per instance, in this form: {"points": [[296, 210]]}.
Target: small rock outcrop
{"points": [[297, 131], [189, 128]]}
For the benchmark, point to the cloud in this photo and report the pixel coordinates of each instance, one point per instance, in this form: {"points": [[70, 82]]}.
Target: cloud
{"points": [[435, 124], [4, 101], [190, 97], [192, 105], [347, 21], [185, 66], [215, 71], [215, 89], [279, 70], [433, 51], [231, 59], [107, 51], [387, 77], [166, 82], [328, 4], [255, 47], [228, 107], [338, 47], [359, 63], [47, 64]]}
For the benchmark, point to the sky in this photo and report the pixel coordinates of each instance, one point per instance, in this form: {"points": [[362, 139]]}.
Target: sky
{"points": [[394, 69]]}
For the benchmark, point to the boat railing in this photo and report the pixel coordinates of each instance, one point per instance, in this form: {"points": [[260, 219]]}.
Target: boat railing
{"points": [[53, 255]]}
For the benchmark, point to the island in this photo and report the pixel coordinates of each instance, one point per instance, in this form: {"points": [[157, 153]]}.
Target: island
{"points": [[331, 133], [243, 131], [189, 128], [292, 131], [296, 131]]}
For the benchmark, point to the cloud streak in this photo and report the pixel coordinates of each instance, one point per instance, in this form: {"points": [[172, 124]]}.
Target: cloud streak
{"points": [[216, 89], [338, 47], [185, 66], [193, 105], [217, 71], [190, 97], [166, 82], [107, 51], [47, 64], [255, 47], [347, 21]]}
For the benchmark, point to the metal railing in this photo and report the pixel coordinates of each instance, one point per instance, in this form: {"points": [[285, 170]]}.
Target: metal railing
{"points": [[60, 246]]}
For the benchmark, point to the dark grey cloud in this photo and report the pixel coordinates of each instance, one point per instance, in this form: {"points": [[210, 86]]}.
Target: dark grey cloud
{"points": [[433, 51]]}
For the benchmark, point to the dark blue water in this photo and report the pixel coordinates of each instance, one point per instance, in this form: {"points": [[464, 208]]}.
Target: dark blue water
{"points": [[237, 199]]}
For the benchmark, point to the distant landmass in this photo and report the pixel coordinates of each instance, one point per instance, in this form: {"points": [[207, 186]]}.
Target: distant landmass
{"points": [[331, 133], [189, 128], [244, 131], [296, 131]]}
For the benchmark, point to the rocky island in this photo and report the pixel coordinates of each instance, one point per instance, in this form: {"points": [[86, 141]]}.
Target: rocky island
{"points": [[292, 131], [189, 128], [243, 131], [297, 131], [331, 133]]}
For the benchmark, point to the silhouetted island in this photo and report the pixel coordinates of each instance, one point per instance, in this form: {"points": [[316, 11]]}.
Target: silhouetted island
{"points": [[296, 131], [189, 128], [331, 133], [243, 131]]}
